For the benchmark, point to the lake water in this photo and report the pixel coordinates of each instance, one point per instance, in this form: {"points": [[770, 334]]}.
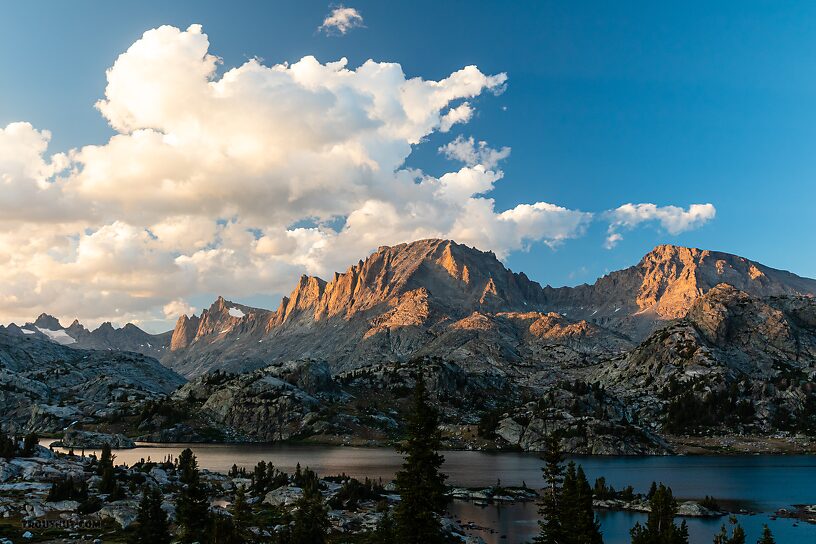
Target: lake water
{"points": [[761, 483]]}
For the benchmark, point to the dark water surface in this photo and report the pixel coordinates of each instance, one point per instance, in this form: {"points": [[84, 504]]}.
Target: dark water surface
{"points": [[761, 483]]}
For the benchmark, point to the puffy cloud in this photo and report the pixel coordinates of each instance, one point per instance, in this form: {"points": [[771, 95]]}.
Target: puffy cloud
{"points": [[466, 150], [237, 184], [340, 20], [460, 114], [673, 219], [176, 308], [26, 175]]}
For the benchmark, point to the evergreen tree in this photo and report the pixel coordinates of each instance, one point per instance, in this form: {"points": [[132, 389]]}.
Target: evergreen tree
{"points": [[192, 505], [660, 527], [151, 521], [568, 505], [105, 460], [260, 478], [106, 471], [587, 527], [68, 490], [311, 517], [222, 530], [241, 514], [737, 534], [420, 483], [30, 444], [8, 448], [549, 505], [767, 536]]}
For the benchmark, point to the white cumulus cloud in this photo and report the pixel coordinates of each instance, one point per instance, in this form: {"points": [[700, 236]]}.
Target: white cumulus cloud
{"points": [[341, 20], [466, 150], [673, 219]]}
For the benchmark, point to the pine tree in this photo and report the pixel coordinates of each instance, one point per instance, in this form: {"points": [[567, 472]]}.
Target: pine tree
{"points": [[311, 516], [550, 503], [222, 530], [30, 444], [151, 521], [241, 514], [106, 471], [105, 460], [767, 536], [420, 483], [260, 478], [587, 526], [737, 534], [660, 527], [192, 505], [8, 448], [568, 506]]}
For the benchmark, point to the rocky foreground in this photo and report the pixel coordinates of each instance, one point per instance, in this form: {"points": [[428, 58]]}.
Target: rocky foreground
{"points": [[28, 503]]}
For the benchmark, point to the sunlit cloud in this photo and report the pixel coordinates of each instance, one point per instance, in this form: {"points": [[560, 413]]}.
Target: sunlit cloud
{"points": [[340, 21]]}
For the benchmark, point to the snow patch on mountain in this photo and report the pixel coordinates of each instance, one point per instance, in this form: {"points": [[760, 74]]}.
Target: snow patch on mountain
{"points": [[60, 337], [235, 312]]}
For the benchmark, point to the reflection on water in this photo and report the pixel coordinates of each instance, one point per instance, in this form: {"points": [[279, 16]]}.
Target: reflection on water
{"points": [[768, 482], [517, 523]]}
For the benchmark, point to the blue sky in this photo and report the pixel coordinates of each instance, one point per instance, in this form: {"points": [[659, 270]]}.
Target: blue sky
{"points": [[606, 103]]}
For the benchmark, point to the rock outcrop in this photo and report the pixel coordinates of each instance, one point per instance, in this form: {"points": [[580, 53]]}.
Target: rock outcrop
{"points": [[751, 361], [89, 440]]}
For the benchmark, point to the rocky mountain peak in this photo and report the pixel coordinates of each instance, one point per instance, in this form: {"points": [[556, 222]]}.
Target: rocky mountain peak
{"points": [[461, 278], [673, 277], [184, 332], [106, 327], [76, 329], [222, 319], [46, 321]]}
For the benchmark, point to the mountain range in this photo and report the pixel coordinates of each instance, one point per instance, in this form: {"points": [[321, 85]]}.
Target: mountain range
{"points": [[430, 295], [681, 320]]}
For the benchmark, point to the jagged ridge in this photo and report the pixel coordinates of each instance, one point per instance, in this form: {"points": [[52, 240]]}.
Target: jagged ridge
{"points": [[404, 300]]}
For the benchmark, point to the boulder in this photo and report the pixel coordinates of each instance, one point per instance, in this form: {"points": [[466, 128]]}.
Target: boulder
{"points": [[122, 512], [283, 496]]}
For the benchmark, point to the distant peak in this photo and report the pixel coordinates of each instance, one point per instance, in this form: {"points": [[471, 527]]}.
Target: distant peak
{"points": [[46, 321], [220, 304]]}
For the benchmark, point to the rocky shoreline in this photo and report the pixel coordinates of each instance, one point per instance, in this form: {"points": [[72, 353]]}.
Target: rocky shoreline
{"points": [[801, 512], [457, 439]]}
